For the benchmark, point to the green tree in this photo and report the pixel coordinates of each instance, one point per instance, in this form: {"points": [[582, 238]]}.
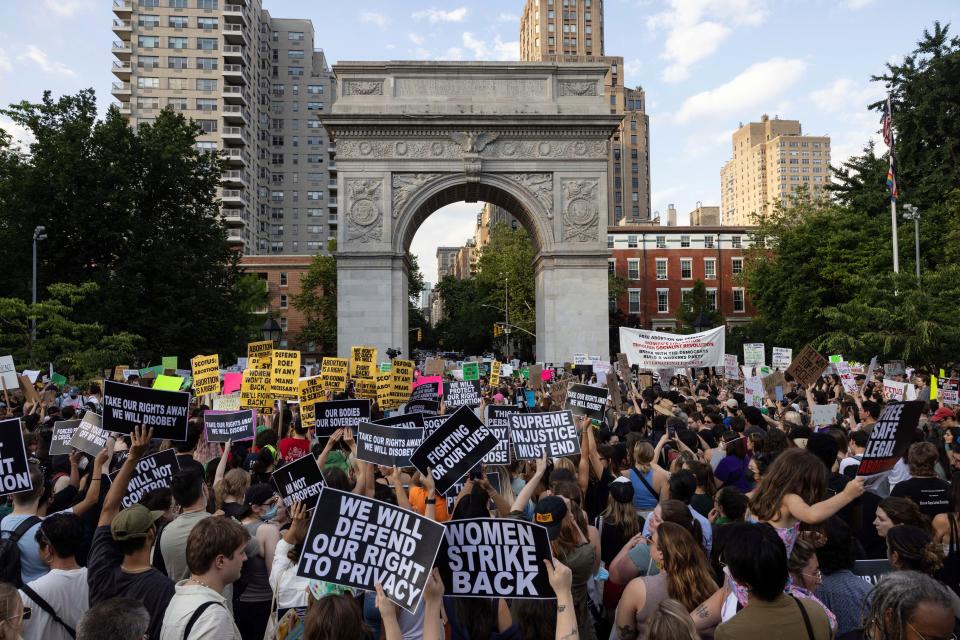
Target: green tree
{"points": [[317, 301], [696, 302], [466, 326], [506, 282]]}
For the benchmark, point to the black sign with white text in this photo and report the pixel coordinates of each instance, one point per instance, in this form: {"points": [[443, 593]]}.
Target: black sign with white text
{"points": [[584, 400], [457, 487], [533, 433], [62, 434], [890, 438], [462, 393], [498, 422], [152, 472], [495, 558], [455, 448], [340, 414], [431, 424], [230, 425], [299, 481], [127, 406], [386, 445], [359, 542], [88, 436], [14, 469], [425, 407]]}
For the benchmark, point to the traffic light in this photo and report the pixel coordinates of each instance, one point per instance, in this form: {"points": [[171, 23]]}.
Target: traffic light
{"points": [[497, 330], [419, 335]]}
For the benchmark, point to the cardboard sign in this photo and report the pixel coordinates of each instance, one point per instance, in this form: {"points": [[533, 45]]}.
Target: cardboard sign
{"points": [[498, 422], [89, 437], [357, 542], [453, 449], [807, 367], [823, 415], [227, 403], [334, 373], [495, 368], [62, 434], [613, 392], [774, 380], [782, 357], [754, 354], [259, 354], [126, 406], [893, 390], [584, 400], [340, 414], [495, 558], [236, 426], [657, 349], [152, 472], [14, 467], [434, 367], [890, 438], [462, 394], [206, 374], [533, 433], [869, 376], [168, 383], [390, 446], [731, 368], [8, 373], [894, 368], [284, 373], [255, 392], [299, 481], [363, 363]]}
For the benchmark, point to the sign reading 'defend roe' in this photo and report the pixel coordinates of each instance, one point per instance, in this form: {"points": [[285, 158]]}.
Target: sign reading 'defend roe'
{"points": [[656, 349], [126, 406], [299, 481], [359, 542], [152, 472], [453, 449], [533, 433]]}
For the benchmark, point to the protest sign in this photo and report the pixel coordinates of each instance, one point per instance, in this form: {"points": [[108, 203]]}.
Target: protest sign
{"points": [[584, 400], [425, 397], [310, 390], [613, 391], [206, 374], [495, 558], [434, 367], [894, 368], [299, 481], [871, 571], [89, 437], [754, 354], [893, 390], [259, 354], [431, 424], [495, 368], [236, 426], [8, 373], [386, 367], [655, 348], [232, 382], [890, 438], [169, 363], [284, 373], [774, 380], [126, 406], [807, 367], [333, 371], [600, 369], [471, 370], [29, 391], [168, 383], [823, 415], [453, 449], [387, 396], [255, 392], [457, 487], [846, 377], [359, 542], [623, 364], [14, 468], [340, 414], [498, 422], [152, 472], [533, 433], [390, 446], [869, 376], [62, 434], [835, 358], [363, 363], [580, 359], [462, 393], [753, 391], [731, 368], [364, 388], [782, 357], [535, 376], [32, 375], [227, 403]]}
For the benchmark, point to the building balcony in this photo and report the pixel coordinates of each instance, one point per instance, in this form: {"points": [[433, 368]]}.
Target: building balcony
{"points": [[233, 33], [122, 50], [233, 197], [234, 13], [123, 29], [235, 73], [234, 95], [235, 114], [233, 178], [233, 218], [332, 221], [234, 134], [236, 157], [332, 203], [234, 53], [235, 237], [123, 7], [332, 185], [122, 70], [121, 90], [124, 108]]}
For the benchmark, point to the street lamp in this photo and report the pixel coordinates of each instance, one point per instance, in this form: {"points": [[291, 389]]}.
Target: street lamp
{"points": [[270, 330], [910, 212], [39, 235]]}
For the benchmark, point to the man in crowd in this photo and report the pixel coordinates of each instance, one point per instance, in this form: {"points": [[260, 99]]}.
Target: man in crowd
{"points": [[190, 492]]}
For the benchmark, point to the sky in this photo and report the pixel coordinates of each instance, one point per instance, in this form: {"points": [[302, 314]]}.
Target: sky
{"points": [[706, 66]]}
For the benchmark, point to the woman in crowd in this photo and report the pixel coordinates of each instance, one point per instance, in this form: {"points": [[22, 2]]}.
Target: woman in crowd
{"points": [[650, 481], [840, 591], [910, 548], [732, 470], [12, 613], [805, 576], [894, 511], [635, 558], [253, 595]]}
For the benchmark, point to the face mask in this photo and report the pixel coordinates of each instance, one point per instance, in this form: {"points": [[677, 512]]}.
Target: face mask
{"points": [[270, 514]]}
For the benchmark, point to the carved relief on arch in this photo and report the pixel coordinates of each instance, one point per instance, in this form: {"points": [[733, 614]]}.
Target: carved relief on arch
{"points": [[540, 185], [364, 209], [581, 210], [406, 184]]}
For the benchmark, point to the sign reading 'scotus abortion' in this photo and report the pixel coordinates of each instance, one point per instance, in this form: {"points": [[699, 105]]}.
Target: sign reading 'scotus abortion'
{"points": [[359, 542], [126, 406], [490, 558], [453, 449], [299, 481], [534, 433], [152, 472]]}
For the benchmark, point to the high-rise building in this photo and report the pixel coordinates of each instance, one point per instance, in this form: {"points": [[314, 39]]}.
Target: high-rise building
{"points": [[446, 256], [572, 31], [771, 160], [489, 217], [255, 85]]}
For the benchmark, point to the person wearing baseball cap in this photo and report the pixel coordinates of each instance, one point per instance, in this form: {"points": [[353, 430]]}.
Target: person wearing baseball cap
{"points": [[945, 418]]}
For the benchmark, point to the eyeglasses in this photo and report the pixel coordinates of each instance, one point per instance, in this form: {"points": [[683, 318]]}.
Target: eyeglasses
{"points": [[25, 614], [952, 636], [817, 575]]}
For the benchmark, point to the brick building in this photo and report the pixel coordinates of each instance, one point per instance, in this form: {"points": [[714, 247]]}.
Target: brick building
{"points": [[661, 263], [282, 275]]}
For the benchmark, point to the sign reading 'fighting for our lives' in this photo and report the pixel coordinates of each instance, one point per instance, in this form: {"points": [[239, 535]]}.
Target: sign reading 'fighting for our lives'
{"points": [[657, 349], [453, 449], [127, 406], [532, 434], [152, 472], [299, 481], [360, 542]]}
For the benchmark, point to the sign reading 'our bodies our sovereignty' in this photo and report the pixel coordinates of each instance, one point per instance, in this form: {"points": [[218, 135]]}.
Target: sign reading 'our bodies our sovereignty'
{"points": [[127, 406]]}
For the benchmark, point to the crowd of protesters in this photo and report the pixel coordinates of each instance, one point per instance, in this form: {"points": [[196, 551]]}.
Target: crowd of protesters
{"points": [[687, 514]]}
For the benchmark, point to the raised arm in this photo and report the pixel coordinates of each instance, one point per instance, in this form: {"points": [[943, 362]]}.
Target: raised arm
{"points": [[222, 465], [583, 469], [821, 511], [561, 579], [527, 492], [327, 448], [139, 441], [92, 496]]}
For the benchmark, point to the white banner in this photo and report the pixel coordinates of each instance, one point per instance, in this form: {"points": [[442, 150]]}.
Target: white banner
{"points": [[782, 357], [657, 349]]}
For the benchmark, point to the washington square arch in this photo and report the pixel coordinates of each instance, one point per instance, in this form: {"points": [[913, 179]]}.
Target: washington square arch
{"points": [[532, 138]]}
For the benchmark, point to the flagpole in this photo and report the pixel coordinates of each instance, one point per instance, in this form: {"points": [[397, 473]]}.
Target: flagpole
{"points": [[896, 248]]}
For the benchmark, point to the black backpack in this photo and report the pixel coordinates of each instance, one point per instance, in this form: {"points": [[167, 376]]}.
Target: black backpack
{"points": [[10, 552]]}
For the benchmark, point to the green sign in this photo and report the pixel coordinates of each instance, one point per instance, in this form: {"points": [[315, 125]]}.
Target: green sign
{"points": [[836, 359], [386, 367], [471, 370], [525, 373], [169, 362], [156, 371], [58, 379]]}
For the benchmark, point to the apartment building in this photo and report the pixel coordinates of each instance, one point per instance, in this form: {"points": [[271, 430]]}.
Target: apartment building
{"points": [[256, 86], [572, 31], [489, 217], [771, 160]]}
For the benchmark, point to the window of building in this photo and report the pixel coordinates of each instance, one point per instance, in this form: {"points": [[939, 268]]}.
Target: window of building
{"points": [[313, 245], [633, 301], [314, 158], [206, 84], [208, 126], [313, 124], [178, 4], [177, 104], [207, 23], [177, 84], [148, 103], [709, 268], [661, 242], [148, 83], [206, 104], [314, 213], [283, 301], [148, 42], [283, 278], [711, 299], [315, 89], [296, 54], [208, 64], [314, 195], [686, 268], [609, 242], [736, 266], [631, 242], [735, 242], [177, 42], [149, 4], [633, 269], [176, 62], [708, 242], [207, 44], [295, 36], [661, 268], [314, 228], [314, 106], [294, 71], [663, 300], [739, 301], [206, 147], [277, 247], [148, 62], [178, 22], [276, 196], [148, 20], [276, 141], [612, 266], [684, 241], [206, 4]]}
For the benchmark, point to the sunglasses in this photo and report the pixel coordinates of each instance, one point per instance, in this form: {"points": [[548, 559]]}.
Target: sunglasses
{"points": [[25, 615]]}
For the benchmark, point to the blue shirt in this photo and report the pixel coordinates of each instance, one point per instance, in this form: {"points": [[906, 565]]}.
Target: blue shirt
{"points": [[844, 593], [31, 566], [704, 526]]}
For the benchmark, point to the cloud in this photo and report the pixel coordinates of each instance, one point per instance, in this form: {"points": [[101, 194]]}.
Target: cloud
{"points": [[67, 8], [5, 64], [631, 71], [498, 50], [372, 17], [508, 17], [439, 15], [756, 87], [857, 4], [38, 57], [449, 226], [843, 94], [416, 39], [696, 29], [453, 53], [21, 136]]}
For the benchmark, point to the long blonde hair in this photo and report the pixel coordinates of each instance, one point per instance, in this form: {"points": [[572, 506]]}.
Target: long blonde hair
{"points": [[671, 621], [623, 515], [233, 485], [9, 598], [689, 577], [643, 455]]}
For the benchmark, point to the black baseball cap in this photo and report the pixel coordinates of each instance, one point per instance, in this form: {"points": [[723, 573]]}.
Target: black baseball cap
{"points": [[550, 513]]}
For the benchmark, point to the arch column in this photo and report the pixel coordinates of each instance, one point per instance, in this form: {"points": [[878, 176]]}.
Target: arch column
{"points": [[372, 302]]}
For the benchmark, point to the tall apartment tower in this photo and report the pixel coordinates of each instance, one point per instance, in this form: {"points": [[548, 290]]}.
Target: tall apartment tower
{"points": [[572, 31], [256, 86], [771, 159]]}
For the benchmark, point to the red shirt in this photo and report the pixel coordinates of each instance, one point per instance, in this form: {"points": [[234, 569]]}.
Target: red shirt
{"points": [[294, 448]]}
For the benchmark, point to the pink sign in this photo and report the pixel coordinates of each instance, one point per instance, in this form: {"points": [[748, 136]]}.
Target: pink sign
{"points": [[231, 382], [546, 374], [427, 380]]}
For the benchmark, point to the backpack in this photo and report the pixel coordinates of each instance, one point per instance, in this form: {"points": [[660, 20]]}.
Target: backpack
{"points": [[10, 551]]}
